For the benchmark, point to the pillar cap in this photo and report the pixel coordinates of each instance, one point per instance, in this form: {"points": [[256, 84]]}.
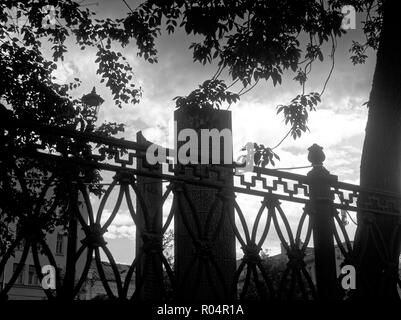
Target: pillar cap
{"points": [[316, 155]]}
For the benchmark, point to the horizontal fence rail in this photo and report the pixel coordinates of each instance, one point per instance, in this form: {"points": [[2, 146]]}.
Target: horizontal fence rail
{"points": [[164, 197]]}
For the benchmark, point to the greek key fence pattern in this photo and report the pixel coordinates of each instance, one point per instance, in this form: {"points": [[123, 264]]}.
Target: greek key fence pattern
{"points": [[252, 277]]}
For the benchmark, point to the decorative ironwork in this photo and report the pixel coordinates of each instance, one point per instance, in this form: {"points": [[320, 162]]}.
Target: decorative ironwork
{"points": [[273, 187]]}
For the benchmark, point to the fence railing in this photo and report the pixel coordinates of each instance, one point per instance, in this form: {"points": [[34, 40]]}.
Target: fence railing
{"points": [[205, 212]]}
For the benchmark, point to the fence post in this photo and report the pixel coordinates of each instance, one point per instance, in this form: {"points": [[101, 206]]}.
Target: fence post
{"points": [[322, 222], [70, 269], [204, 268], [150, 270]]}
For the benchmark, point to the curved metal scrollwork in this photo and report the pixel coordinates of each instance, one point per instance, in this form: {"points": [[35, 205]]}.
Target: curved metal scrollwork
{"points": [[203, 226], [203, 236], [255, 268]]}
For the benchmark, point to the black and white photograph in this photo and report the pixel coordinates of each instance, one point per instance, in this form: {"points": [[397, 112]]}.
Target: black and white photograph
{"points": [[203, 159]]}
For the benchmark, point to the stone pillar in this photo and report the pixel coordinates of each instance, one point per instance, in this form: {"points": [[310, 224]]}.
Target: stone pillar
{"points": [[194, 258]]}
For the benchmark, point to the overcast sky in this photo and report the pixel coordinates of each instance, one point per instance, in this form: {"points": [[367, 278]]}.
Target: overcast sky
{"points": [[338, 124]]}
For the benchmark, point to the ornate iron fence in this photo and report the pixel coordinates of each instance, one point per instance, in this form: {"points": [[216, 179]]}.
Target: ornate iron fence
{"points": [[204, 207]]}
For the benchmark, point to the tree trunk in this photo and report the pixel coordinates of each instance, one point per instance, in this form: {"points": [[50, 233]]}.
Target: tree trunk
{"points": [[381, 161]]}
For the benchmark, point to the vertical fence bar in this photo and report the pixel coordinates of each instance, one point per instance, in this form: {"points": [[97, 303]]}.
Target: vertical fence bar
{"points": [[69, 279], [322, 221]]}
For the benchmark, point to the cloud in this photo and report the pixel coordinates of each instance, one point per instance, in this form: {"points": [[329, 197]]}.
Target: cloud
{"points": [[122, 226], [338, 124], [64, 72]]}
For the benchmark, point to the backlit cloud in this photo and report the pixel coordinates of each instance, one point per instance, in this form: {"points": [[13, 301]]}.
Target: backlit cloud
{"points": [[338, 124]]}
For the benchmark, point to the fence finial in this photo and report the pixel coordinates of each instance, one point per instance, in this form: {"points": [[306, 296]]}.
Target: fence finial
{"points": [[316, 155]]}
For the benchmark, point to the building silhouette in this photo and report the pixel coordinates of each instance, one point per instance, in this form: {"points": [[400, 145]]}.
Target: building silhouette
{"points": [[27, 286]]}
